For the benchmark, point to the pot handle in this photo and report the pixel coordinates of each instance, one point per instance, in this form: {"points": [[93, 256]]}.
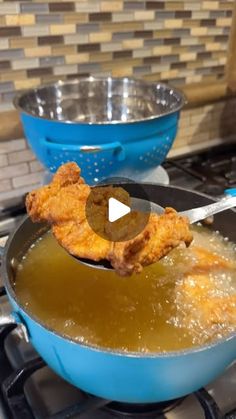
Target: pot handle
{"points": [[7, 316]]}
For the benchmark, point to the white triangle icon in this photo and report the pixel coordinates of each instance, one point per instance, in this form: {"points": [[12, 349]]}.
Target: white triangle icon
{"points": [[116, 210]]}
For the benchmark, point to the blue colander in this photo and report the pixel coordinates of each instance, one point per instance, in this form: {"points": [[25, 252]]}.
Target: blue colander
{"points": [[108, 126]]}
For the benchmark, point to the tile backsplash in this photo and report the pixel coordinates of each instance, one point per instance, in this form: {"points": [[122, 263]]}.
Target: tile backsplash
{"points": [[176, 41]]}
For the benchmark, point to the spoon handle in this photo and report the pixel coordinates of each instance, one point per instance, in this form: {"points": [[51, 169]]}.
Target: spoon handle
{"points": [[197, 214]]}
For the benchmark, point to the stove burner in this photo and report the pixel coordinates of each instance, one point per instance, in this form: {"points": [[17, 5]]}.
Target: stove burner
{"points": [[151, 410]]}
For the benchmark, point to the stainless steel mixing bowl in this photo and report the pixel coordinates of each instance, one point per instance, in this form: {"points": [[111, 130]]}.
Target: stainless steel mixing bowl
{"points": [[100, 101]]}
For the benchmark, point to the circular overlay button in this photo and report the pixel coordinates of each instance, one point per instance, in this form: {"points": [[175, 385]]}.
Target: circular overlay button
{"points": [[117, 209]]}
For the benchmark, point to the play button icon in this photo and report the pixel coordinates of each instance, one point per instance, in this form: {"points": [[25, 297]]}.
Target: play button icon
{"points": [[110, 209], [116, 210]]}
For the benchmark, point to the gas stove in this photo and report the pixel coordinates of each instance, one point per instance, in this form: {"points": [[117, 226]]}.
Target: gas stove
{"points": [[29, 389]]}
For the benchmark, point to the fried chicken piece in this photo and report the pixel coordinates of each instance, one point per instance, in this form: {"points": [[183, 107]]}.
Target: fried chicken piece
{"points": [[205, 307], [159, 237], [62, 204], [207, 260]]}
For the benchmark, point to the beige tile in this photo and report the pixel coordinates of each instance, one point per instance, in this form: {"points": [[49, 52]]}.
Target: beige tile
{"points": [[36, 166], [123, 17], [12, 171], [77, 58], [189, 41], [144, 15], [192, 5], [25, 63], [35, 30], [162, 50], [160, 68], [4, 43], [19, 20], [144, 52], [3, 160], [87, 6], [5, 185], [224, 22], [65, 69], [20, 156], [173, 23], [169, 74], [111, 47], [203, 14], [111, 6], [210, 5], [174, 5], [74, 17], [198, 31], [30, 179], [38, 51], [62, 29], [9, 7], [2, 20], [26, 84], [122, 71], [226, 5], [23, 42], [213, 46], [100, 37], [13, 75], [154, 25], [118, 63], [78, 38], [188, 56], [132, 43]]}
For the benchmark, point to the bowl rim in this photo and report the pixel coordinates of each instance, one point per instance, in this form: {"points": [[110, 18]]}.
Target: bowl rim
{"points": [[172, 89]]}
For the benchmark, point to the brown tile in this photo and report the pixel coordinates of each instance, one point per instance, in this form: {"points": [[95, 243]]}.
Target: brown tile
{"points": [[191, 23], [4, 65], [150, 5], [100, 17], [123, 54], [221, 38], [204, 55], [152, 60], [177, 65], [172, 41], [61, 7], [143, 34], [179, 14], [121, 26], [208, 22], [45, 40], [10, 31], [38, 72], [88, 47]]}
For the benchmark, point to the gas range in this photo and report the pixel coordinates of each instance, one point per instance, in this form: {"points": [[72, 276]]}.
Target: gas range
{"points": [[29, 389]]}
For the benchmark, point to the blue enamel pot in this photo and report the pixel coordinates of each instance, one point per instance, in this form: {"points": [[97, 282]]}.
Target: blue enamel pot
{"points": [[115, 375], [108, 126]]}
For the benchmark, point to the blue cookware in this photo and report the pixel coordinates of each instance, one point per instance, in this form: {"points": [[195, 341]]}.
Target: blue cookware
{"points": [[108, 126], [116, 375]]}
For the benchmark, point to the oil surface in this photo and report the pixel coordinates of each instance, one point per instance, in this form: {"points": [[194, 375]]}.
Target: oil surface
{"points": [[138, 313]]}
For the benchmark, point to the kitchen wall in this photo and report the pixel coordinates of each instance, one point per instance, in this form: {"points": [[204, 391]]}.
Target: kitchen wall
{"points": [[181, 42]]}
